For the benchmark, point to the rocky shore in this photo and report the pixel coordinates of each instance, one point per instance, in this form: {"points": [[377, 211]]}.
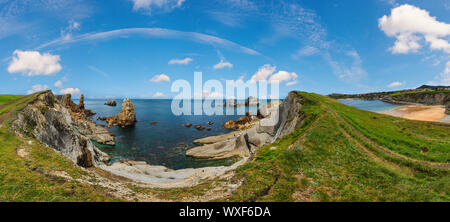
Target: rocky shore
{"points": [[275, 119], [62, 125]]}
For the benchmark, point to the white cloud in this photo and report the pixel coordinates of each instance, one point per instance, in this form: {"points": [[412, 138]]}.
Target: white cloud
{"points": [[268, 72], [160, 78], [73, 91], [97, 70], [58, 84], [281, 76], [33, 63], [306, 51], [154, 33], [352, 72], [158, 95], [291, 83], [395, 84], [223, 64], [184, 61], [37, 88], [262, 73], [410, 25], [148, 5]]}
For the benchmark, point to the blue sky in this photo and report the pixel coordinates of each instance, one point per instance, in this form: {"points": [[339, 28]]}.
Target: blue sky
{"points": [[137, 48]]}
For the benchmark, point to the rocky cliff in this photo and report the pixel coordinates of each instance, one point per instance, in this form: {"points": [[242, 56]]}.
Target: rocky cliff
{"points": [[441, 98], [276, 119], [52, 123]]}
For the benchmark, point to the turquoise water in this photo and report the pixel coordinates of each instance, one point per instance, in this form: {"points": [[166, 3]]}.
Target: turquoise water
{"points": [[164, 143], [369, 105]]}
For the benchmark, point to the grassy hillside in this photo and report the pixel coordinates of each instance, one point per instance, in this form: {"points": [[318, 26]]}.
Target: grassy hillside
{"points": [[7, 98], [345, 154]]}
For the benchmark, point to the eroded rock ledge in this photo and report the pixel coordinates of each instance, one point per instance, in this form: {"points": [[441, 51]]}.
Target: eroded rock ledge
{"points": [[52, 123], [275, 119]]}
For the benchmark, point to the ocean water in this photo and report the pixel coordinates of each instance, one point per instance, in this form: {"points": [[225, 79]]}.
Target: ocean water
{"points": [[369, 105], [164, 143]]}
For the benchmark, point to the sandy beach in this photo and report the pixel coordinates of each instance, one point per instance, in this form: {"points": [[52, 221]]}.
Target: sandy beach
{"points": [[419, 112]]}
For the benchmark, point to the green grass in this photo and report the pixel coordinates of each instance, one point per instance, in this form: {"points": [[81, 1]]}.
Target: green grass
{"points": [[419, 92], [7, 98], [399, 135], [328, 166]]}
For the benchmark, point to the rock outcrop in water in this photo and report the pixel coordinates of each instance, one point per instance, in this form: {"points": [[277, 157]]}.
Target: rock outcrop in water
{"points": [[111, 103], [52, 123], [252, 101], [277, 120], [126, 117]]}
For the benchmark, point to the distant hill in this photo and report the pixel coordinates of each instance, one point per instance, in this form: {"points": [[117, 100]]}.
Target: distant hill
{"points": [[433, 87]]}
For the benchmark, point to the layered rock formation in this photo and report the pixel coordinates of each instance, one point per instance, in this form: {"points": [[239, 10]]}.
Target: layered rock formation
{"points": [[277, 119], [52, 123], [126, 117], [84, 126], [441, 98]]}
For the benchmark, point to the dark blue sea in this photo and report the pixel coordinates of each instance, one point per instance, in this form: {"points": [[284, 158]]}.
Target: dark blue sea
{"points": [[164, 143]]}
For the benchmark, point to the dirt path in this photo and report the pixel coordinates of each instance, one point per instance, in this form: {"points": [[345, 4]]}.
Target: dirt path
{"points": [[8, 114], [388, 152]]}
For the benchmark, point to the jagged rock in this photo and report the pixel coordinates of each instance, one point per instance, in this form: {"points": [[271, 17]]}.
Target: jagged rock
{"points": [[252, 101], [111, 103], [199, 127], [81, 103], [51, 123], [86, 127], [279, 120], [126, 117], [268, 108], [76, 111], [229, 125]]}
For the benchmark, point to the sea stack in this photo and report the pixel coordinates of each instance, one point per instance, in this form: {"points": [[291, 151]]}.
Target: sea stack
{"points": [[126, 117], [252, 101], [111, 103], [81, 104]]}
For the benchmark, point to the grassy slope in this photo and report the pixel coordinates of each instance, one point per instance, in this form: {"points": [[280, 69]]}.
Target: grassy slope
{"points": [[329, 162], [24, 179], [7, 98]]}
